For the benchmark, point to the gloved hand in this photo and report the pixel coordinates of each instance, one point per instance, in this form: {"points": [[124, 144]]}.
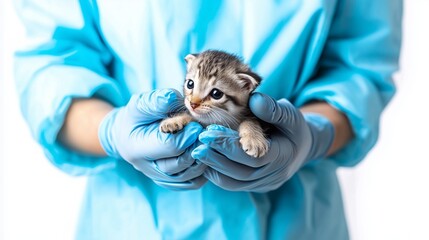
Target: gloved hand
{"points": [[132, 133], [294, 140]]}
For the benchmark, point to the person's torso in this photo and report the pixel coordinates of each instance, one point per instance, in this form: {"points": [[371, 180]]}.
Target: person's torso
{"points": [[280, 40]]}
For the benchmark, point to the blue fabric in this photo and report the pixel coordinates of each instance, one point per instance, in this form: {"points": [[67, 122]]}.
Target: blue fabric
{"points": [[342, 52]]}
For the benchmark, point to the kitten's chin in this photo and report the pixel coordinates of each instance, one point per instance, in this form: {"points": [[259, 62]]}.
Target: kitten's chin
{"points": [[201, 117], [197, 114]]}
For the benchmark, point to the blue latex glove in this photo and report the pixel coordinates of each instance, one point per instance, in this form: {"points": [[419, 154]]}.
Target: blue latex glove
{"points": [[294, 140], [132, 133]]}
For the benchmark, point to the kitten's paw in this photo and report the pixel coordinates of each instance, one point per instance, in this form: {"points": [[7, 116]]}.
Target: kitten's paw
{"points": [[171, 125], [255, 145]]}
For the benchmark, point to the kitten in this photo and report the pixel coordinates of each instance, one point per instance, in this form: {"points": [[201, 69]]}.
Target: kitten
{"points": [[217, 90]]}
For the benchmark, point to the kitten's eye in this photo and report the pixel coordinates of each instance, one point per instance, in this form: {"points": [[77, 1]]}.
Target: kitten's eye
{"points": [[190, 84], [216, 94]]}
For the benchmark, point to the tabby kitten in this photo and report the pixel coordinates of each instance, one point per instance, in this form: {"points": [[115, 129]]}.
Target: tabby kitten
{"points": [[217, 90]]}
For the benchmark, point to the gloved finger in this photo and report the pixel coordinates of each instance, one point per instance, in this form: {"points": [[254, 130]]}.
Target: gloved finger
{"points": [[175, 165], [222, 164], [155, 105], [231, 184], [271, 111], [232, 169], [227, 142], [195, 183], [150, 169], [195, 170], [158, 145]]}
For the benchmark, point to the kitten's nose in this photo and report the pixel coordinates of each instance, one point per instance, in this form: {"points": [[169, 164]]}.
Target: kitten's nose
{"points": [[194, 105]]}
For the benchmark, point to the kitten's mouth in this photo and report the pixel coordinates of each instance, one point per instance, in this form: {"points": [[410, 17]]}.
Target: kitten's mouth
{"points": [[196, 112]]}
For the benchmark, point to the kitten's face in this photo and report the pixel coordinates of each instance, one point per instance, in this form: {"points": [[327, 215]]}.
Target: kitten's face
{"points": [[217, 88]]}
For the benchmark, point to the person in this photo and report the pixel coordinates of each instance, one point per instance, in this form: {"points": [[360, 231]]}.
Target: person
{"points": [[98, 76]]}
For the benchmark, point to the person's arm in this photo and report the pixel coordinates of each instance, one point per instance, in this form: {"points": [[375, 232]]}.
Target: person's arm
{"points": [[343, 130], [355, 70], [64, 58], [60, 78], [80, 129]]}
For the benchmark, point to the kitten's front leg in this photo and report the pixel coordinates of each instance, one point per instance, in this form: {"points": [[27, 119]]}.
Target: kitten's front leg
{"points": [[252, 138], [175, 123]]}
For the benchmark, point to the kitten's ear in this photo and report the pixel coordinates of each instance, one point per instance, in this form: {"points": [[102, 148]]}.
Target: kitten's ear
{"points": [[250, 80], [190, 58]]}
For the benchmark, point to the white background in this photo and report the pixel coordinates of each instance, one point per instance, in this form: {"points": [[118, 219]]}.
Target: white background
{"points": [[386, 196]]}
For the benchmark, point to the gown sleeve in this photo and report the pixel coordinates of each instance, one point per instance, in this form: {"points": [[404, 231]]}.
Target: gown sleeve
{"points": [[356, 67], [64, 58]]}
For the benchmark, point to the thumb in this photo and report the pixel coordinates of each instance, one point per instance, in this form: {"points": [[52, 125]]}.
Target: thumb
{"points": [[154, 105], [269, 110]]}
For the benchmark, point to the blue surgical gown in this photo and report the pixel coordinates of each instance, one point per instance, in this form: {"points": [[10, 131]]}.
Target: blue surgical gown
{"points": [[338, 51]]}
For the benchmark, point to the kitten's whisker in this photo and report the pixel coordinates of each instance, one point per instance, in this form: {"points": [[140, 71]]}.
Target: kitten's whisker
{"points": [[218, 119], [182, 109], [226, 116], [177, 103], [176, 107], [213, 117]]}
